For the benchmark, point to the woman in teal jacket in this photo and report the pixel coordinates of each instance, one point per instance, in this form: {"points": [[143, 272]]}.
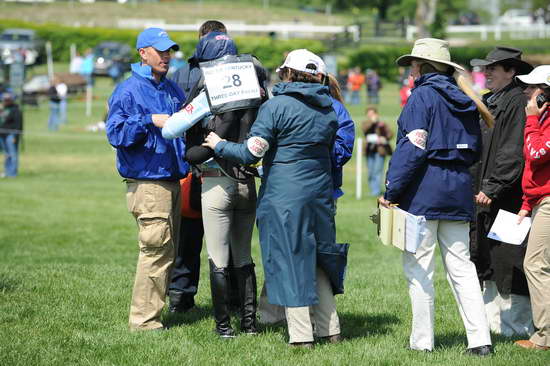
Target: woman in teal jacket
{"points": [[294, 133]]}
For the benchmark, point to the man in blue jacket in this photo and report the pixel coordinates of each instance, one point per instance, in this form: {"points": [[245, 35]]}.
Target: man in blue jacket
{"points": [[152, 167]]}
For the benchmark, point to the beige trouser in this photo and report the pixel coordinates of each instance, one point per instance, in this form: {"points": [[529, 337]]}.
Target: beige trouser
{"points": [[454, 243], [228, 214], [156, 208], [300, 327], [537, 271]]}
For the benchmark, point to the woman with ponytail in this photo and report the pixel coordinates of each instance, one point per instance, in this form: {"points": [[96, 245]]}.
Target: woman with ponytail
{"points": [[438, 139]]}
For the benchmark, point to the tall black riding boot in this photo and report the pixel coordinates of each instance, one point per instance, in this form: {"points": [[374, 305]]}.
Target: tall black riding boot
{"points": [[219, 281], [247, 293], [233, 290]]}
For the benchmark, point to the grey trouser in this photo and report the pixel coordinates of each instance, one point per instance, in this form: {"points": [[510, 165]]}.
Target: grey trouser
{"points": [[537, 271], [228, 214]]}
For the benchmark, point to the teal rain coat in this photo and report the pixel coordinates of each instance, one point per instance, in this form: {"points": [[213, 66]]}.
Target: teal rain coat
{"points": [[295, 213]]}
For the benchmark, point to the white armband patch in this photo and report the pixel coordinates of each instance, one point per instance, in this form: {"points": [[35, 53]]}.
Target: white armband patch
{"points": [[257, 146], [418, 138]]}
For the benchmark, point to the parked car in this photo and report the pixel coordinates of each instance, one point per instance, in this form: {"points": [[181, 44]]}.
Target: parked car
{"points": [[467, 17], [514, 17], [25, 41], [38, 85], [108, 53]]}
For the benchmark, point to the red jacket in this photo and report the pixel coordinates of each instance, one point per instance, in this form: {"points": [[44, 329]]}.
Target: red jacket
{"points": [[536, 175]]}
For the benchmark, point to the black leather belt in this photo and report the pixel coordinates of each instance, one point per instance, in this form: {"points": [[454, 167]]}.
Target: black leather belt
{"points": [[212, 173]]}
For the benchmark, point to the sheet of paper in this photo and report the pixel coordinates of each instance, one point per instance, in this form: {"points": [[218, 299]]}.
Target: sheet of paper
{"points": [[415, 230], [506, 228]]}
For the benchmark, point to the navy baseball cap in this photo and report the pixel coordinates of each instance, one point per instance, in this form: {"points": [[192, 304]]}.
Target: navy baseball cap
{"points": [[156, 38]]}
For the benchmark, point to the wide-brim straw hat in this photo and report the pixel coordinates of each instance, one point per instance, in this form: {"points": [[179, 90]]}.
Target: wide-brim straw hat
{"points": [[430, 49]]}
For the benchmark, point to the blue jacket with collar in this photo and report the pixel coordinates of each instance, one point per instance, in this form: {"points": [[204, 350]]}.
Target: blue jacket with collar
{"points": [[343, 145], [142, 152], [438, 138]]}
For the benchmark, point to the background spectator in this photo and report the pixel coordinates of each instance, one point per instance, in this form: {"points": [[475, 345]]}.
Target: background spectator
{"points": [[87, 67], [76, 64], [62, 90], [374, 84], [355, 82], [11, 127], [55, 100], [176, 63], [377, 146]]}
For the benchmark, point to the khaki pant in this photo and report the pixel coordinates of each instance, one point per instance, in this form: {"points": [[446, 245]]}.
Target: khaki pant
{"points": [[326, 319], [228, 214], [537, 271], [156, 208]]}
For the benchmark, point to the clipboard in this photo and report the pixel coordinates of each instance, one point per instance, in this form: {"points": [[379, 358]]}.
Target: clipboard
{"points": [[400, 229]]}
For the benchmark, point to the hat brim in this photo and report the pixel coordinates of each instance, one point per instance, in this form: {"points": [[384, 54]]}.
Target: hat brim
{"points": [[521, 66], [165, 44], [406, 60], [309, 72], [532, 80]]}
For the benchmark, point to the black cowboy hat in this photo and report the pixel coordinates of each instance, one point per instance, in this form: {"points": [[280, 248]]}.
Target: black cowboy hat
{"points": [[506, 55]]}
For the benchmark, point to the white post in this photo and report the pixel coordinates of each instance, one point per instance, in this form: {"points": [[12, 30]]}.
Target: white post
{"points": [[73, 51], [89, 95], [483, 33], [358, 168], [411, 30], [49, 59]]}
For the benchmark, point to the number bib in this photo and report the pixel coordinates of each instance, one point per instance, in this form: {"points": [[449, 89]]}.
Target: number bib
{"points": [[231, 83]]}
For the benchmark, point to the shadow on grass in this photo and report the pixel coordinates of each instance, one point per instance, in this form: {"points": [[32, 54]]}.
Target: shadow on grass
{"points": [[353, 325], [452, 339], [366, 325], [194, 315], [8, 284]]}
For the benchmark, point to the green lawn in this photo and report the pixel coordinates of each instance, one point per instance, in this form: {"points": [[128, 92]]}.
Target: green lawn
{"points": [[68, 254], [106, 14]]}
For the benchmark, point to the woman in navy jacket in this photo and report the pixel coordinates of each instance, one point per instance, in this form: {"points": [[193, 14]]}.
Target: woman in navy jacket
{"points": [[438, 139]]}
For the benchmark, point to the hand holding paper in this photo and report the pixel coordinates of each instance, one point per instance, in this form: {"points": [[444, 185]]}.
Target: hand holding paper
{"points": [[507, 229]]}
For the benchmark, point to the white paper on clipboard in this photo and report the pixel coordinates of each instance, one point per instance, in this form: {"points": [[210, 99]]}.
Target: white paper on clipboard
{"points": [[415, 230], [401, 229]]}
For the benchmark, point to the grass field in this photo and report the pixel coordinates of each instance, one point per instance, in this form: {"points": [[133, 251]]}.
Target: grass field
{"points": [[68, 254], [106, 14]]}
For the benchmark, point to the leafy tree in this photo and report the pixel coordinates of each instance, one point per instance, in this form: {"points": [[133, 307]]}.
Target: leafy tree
{"points": [[431, 16]]}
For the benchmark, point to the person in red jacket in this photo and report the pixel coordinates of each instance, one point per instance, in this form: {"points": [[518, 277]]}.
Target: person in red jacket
{"points": [[536, 200]]}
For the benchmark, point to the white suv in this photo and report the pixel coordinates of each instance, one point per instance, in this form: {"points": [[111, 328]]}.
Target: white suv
{"points": [[519, 17]]}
